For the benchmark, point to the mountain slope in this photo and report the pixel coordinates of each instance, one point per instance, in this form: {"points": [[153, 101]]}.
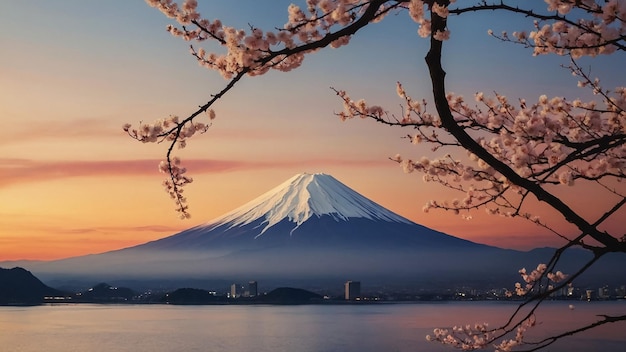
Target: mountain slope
{"points": [[19, 286], [304, 196], [307, 210]]}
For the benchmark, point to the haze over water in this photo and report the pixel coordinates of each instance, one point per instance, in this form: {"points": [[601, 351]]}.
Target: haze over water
{"points": [[306, 328]]}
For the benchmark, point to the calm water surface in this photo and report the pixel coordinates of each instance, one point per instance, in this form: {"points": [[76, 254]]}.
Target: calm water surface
{"points": [[349, 328]]}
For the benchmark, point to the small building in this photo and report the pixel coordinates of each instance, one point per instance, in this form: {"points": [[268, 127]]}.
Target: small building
{"points": [[603, 292], [352, 290], [252, 289]]}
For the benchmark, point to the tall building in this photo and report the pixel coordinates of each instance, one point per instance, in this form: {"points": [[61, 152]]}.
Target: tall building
{"points": [[252, 289], [235, 291], [352, 290], [621, 292]]}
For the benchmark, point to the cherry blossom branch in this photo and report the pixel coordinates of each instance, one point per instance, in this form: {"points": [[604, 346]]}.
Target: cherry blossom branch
{"points": [[566, 36]]}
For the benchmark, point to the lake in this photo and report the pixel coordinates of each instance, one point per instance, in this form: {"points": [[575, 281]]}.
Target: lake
{"points": [[265, 328]]}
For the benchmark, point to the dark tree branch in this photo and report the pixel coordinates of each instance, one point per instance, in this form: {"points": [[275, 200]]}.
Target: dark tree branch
{"points": [[437, 75], [607, 319]]}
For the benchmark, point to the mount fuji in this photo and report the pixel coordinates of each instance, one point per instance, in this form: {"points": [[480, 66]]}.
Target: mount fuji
{"points": [[310, 227], [308, 210]]}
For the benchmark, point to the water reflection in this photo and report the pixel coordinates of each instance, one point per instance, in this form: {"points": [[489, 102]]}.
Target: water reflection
{"points": [[348, 328]]}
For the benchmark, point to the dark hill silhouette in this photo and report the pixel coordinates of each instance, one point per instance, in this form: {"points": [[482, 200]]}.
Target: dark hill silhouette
{"points": [[282, 295], [191, 296], [289, 295], [104, 292], [20, 286]]}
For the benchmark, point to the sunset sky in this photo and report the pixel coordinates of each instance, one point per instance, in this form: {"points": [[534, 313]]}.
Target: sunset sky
{"points": [[72, 72]]}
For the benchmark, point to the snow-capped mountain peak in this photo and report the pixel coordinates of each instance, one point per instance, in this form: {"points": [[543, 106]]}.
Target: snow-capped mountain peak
{"points": [[303, 196]]}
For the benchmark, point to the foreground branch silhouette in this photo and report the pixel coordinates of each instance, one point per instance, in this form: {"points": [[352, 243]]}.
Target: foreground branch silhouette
{"points": [[502, 155]]}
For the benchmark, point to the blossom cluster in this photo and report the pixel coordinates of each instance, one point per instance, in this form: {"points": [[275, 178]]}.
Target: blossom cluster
{"points": [[174, 184], [596, 27], [177, 132], [256, 51], [168, 129], [534, 277], [479, 336], [467, 337], [508, 344]]}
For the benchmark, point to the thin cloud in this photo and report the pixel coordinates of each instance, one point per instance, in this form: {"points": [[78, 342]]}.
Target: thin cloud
{"points": [[78, 128], [248, 134], [115, 229], [103, 128], [15, 171]]}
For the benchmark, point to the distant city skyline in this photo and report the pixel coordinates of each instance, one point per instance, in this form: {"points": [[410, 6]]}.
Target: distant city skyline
{"points": [[73, 72]]}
